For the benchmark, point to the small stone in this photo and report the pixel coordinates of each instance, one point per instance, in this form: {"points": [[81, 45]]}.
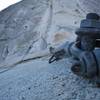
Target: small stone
{"points": [[29, 88]]}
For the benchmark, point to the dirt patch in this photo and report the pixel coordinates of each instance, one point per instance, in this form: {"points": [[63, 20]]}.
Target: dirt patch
{"points": [[58, 37]]}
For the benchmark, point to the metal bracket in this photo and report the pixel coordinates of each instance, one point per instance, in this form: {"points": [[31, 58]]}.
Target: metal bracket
{"points": [[85, 51]]}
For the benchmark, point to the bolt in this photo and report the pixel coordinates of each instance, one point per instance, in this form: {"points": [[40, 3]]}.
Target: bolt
{"points": [[93, 16], [76, 68]]}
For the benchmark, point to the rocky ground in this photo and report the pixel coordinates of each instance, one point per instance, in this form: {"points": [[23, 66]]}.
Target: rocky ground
{"points": [[38, 80], [29, 28]]}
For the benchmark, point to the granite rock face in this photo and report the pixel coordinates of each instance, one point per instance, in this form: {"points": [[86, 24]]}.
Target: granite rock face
{"points": [[32, 26], [90, 6], [19, 25]]}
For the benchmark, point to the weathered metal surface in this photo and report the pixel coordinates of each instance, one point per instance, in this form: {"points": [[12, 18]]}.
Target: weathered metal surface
{"points": [[84, 52]]}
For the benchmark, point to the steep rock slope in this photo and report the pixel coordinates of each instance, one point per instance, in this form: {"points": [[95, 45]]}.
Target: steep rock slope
{"points": [[34, 25], [90, 5], [31, 26], [18, 26]]}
